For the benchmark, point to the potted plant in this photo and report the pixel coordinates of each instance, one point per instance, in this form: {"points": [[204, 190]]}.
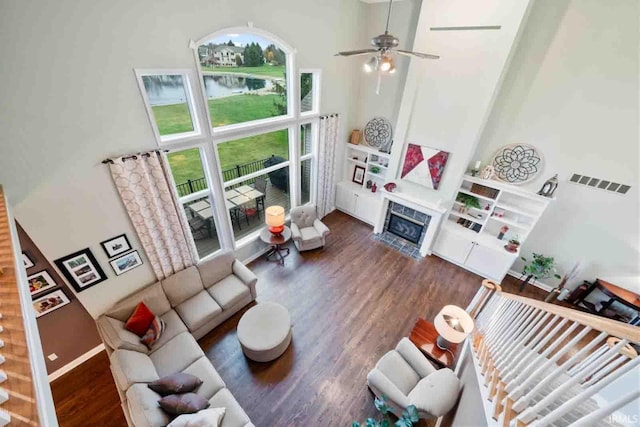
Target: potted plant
{"points": [[513, 244], [409, 416], [467, 202], [540, 267]]}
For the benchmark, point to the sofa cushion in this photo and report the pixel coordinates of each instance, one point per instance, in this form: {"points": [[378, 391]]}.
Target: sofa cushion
{"points": [[310, 234], [179, 382], [154, 332], [183, 285], [229, 291], [437, 393], [211, 381], [143, 407], [234, 415], [211, 417], [173, 326], [153, 296], [394, 367], [130, 367], [140, 319], [176, 354], [116, 336], [216, 269], [185, 403], [198, 310]]}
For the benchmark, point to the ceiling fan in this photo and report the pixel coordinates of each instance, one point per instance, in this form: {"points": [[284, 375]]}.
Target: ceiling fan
{"points": [[385, 45]]}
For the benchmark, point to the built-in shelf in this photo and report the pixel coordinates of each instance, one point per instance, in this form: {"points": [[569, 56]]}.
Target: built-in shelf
{"points": [[357, 162], [488, 199], [515, 210], [468, 217], [511, 223]]}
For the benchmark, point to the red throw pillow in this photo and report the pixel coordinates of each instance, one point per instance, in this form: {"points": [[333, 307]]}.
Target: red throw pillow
{"points": [[140, 319]]}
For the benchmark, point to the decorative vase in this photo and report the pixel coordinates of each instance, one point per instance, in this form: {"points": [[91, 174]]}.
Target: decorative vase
{"points": [[369, 183], [552, 295], [463, 209], [374, 188], [355, 137], [564, 293], [512, 247]]}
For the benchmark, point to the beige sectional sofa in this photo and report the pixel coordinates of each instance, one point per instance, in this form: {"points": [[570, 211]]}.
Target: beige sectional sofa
{"points": [[192, 303]]}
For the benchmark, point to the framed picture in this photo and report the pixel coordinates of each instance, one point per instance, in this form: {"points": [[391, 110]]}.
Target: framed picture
{"points": [[27, 261], [424, 165], [126, 262], [50, 302], [40, 282], [358, 175], [116, 245], [81, 269]]}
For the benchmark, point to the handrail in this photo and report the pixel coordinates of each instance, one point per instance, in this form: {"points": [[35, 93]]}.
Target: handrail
{"points": [[26, 384], [612, 327]]}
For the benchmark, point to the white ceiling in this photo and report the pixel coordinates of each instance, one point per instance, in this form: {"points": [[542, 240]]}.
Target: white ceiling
{"points": [[378, 1]]}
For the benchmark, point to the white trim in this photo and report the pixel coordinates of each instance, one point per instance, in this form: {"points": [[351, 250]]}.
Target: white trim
{"points": [[75, 363], [248, 29], [261, 172]]}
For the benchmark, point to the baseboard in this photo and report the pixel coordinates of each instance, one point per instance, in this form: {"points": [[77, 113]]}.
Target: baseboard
{"points": [[75, 363], [255, 256], [536, 283]]}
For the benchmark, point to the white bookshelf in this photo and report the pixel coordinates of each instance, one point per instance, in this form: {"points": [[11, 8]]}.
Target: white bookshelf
{"points": [[470, 239], [356, 199]]}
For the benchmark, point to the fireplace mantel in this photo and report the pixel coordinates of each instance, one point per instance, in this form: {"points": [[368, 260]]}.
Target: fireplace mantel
{"points": [[435, 211]]}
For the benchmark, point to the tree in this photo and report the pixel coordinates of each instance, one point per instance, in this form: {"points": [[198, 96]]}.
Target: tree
{"points": [[275, 55], [306, 82], [238, 60], [230, 43], [268, 56], [253, 56]]}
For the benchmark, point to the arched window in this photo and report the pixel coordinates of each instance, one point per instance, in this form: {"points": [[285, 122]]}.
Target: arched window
{"points": [[232, 135]]}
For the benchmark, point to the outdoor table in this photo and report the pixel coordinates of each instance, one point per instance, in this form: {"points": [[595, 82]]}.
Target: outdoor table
{"points": [[244, 189]]}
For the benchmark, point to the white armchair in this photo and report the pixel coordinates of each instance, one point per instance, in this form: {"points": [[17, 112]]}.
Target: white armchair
{"points": [[405, 377], [307, 231]]}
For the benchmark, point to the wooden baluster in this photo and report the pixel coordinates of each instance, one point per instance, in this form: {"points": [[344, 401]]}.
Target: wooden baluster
{"points": [[515, 340], [520, 346]]}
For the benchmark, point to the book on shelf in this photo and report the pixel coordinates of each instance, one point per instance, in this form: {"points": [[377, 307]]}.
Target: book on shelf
{"points": [[484, 191], [469, 224]]}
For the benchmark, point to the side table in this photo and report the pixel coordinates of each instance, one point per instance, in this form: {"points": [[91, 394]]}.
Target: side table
{"points": [[276, 241], [424, 336]]}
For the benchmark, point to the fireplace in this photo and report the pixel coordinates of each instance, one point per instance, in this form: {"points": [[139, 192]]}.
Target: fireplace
{"points": [[408, 229]]}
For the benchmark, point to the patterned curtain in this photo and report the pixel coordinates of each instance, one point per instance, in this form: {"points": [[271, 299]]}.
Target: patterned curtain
{"points": [[327, 163], [144, 184]]}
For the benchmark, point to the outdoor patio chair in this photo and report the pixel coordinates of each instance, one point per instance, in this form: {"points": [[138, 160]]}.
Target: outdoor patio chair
{"points": [[261, 186], [200, 228]]}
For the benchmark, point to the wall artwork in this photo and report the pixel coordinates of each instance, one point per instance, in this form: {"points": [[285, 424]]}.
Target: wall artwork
{"points": [[126, 262], [81, 269], [116, 245], [517, 163], [358, 175], [50, 302], [424, 165], [27, 261], [40, 282]]}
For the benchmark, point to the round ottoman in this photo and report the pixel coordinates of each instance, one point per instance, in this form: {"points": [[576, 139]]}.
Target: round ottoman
{"points": [[264, 331]]}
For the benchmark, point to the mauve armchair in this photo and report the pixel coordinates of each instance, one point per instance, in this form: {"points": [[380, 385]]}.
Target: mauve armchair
{"points": [[307, 231]]}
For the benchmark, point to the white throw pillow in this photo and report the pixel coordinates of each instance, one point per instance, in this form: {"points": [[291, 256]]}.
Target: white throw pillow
{"points": [[211, 417]]}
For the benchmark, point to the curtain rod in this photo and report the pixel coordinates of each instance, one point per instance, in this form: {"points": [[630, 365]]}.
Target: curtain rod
{"points": [[328, 116], [134, 156]]}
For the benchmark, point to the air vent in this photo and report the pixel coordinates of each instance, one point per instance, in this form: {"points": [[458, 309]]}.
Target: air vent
{"points": [[601, 184]]}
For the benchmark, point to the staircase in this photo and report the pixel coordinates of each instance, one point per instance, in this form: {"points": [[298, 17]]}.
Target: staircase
{"points": [[544, 365]]}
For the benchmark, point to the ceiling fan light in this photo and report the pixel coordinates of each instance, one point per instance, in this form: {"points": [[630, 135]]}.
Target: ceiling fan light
{"points": [[371, 65], [386, 63], [392, 70]]}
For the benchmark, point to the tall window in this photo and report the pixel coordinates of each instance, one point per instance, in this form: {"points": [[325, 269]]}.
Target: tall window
{"points": [[259, 149]]}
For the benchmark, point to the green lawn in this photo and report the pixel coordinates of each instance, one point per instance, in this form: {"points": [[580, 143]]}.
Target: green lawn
{"points": [[263, 70], [235, 109]]}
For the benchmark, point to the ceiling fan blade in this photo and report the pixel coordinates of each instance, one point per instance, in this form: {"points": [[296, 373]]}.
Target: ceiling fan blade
{"points": [[418, 54], [356, 52]]}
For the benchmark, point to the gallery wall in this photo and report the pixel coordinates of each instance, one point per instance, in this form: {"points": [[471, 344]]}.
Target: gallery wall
{"points": [[572, 92], [68, 331], [71, 99]]}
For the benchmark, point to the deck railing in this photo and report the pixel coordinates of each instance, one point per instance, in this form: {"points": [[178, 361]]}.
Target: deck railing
{"points": [[25, 396], [544, 364]]}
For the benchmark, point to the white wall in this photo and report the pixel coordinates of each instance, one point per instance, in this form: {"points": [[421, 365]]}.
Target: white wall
{"points": [[572, 91], [404, 19], [69, 99]]}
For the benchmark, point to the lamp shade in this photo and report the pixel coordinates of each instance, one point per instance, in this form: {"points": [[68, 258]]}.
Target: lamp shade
{"points": [[274, 216], [453, 323]]}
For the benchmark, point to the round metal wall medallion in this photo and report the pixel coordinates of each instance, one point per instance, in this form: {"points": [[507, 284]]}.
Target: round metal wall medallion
{"points": [[517, 163], [378, 132]]}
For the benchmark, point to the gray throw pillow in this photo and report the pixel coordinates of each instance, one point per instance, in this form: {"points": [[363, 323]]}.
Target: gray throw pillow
{"points": [[178, 404], [179, 382]]}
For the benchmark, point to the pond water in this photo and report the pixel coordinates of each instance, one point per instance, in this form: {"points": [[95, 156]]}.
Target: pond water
{"points": [[169, 89]]}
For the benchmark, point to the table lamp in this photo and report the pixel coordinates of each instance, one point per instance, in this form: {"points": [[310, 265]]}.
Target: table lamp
{"points": [[453, 325], [274, 218]]}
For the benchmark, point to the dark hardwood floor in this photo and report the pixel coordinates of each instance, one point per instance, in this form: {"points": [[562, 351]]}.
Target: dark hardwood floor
{"points": [[349, 303]]}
